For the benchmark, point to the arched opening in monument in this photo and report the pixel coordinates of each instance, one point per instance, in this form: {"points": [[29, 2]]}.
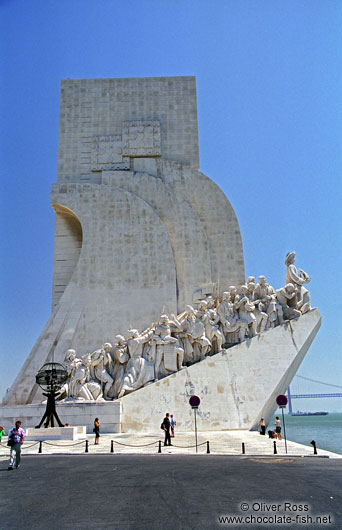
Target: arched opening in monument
{"points": [[68, 245]]}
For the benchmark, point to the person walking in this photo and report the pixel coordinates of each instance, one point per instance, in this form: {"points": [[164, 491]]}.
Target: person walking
{"points": [[15, 441], [262, 426], [277, 425], [173, 425], [166, 426], [97, 431], [2, 432]]}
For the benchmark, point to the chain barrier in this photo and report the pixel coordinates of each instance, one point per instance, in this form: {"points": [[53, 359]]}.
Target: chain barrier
{"points": [[115, 441], [28, 446], [145, 445], [64, 445], [22, 447], [187, 446], [156, 442]]}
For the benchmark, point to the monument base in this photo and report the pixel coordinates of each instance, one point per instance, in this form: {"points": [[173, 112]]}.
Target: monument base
{"points": [[74, 413], [56, 433]]}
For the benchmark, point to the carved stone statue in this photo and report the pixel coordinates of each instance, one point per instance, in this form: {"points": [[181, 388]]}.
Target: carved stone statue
{"points": [[79, 385], [120, 360], [299, 278], [233, 292], [88, 388], [70, 363], [211, 302], [264, 297], [233, 327], [213, 331], [246, 310], [165, 351], [100, 360], [139, 371], [200, 343], [211, 320], [285, 297], [261, 316], [187, 320]]}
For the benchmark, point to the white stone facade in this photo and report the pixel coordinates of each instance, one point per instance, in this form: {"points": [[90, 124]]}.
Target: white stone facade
{"points": [[139, 229]]}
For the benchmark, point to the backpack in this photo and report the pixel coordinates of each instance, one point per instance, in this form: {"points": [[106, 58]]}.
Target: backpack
{"points": [[162, 426]]}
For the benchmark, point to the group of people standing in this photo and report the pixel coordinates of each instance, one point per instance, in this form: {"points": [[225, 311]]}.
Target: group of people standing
{"points": [[168, 426], [275, 433]]}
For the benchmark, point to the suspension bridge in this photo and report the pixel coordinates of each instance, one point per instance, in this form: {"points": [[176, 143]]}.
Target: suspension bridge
{"points": [[315, 395]]}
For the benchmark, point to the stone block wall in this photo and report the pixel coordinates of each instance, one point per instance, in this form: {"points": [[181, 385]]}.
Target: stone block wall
{"points": [[93, 108]]}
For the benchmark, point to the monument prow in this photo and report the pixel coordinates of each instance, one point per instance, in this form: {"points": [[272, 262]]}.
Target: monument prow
{"points": [[237, 386]]}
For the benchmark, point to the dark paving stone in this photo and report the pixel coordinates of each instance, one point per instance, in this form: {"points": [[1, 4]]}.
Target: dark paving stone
{"points": [[164, 491]]}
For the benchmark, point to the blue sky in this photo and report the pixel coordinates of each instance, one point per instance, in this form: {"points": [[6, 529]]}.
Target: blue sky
{"points": [[269, 85]]}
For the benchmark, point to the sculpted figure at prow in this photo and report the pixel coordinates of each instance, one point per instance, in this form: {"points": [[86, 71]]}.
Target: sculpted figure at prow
{"points": [[299, 278]]}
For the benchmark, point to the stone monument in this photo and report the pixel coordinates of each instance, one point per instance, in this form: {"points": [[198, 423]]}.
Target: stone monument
{"points": [[138, 227], [148, 263]]}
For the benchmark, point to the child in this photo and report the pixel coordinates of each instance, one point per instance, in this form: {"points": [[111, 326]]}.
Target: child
{"points": [[173, 424]]}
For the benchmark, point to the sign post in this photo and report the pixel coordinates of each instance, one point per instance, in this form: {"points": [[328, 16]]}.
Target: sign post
{"points": [[282, 402], [194, 402]]}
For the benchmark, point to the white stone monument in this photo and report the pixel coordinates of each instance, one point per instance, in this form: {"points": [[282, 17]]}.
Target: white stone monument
{"points": [[148, 263], [138, 226]]}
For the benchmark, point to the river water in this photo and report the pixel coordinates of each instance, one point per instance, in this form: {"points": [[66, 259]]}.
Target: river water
{"points": [[325, 430]]}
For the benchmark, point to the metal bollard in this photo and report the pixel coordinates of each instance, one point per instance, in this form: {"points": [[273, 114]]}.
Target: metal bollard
{"points": [[243, 448], [275, 452], [112, 446], [86, 447], [40, 449], [314, 446], [208, 450], [159, 447]]}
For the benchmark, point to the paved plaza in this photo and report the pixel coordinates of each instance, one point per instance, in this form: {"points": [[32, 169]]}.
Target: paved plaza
{"points": [[147, 492], [220, 443], [135, 487]]}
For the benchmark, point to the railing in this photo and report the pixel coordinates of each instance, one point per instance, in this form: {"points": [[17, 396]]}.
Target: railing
{"points": [[157, 443]]}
